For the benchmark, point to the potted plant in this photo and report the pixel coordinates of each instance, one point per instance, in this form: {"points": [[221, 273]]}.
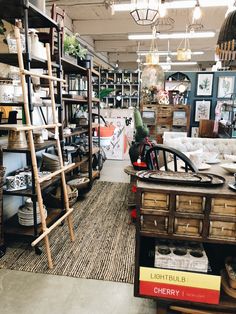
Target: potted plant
{"points": [[73, 48]]}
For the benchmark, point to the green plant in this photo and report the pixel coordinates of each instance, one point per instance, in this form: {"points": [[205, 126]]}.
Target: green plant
{"points": [[105, 92], [73, 47], [2, 28], [141, 130]]}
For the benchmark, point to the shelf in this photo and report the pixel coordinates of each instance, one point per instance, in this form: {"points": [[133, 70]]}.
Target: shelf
{"points": [[77, 164], [74, 101], [12, 59], [95, 72], [13, 227], [95, 99], [72, 68], [186, 238], [78, 132], [38, 147], [11, 104], [14, 9]]}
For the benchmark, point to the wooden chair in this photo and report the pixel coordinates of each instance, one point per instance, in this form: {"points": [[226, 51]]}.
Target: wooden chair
{"points": [[165, 157]]}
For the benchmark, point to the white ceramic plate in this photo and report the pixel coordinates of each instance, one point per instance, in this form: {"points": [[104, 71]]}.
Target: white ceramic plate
{"points": [[230, 167], [204, 166], [212, 162]]}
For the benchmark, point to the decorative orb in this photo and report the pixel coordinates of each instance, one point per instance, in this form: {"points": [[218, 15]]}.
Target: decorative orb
{"points": [[153, 77]]}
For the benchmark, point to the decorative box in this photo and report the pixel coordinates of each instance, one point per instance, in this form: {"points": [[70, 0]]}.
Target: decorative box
{"points": [[181, 258]]}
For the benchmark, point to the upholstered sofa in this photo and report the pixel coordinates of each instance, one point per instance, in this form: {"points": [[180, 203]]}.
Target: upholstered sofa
{"points": [[217, 145]]}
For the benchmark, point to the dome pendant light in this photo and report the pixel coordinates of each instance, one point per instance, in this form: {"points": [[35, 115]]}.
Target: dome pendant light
{"points": [[144, 12]]}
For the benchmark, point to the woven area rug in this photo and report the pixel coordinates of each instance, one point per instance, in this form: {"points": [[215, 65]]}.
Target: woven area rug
{"points": [[104, 245]]}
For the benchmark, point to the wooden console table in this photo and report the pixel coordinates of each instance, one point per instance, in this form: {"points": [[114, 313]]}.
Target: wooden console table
{"points": [[186, 213]]}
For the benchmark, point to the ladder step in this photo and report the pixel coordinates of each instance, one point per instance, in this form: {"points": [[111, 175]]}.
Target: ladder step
{"points": [[23, 127], [48, 230], [55, 173], [47, 77]]}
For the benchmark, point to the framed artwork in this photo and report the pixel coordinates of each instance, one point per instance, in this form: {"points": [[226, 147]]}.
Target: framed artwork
{"points": [[194, 131], [202, 109], [204, 84], [225, 86]]}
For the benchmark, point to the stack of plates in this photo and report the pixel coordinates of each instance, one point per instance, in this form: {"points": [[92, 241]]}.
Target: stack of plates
{"points": [[50, 162], [26, 215]]}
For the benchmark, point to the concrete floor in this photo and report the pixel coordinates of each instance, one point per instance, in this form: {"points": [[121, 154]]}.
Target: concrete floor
{"points": [[30, 293]]}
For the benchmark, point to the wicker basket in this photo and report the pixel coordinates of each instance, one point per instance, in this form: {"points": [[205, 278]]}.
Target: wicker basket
{"points": [[53, 200]]}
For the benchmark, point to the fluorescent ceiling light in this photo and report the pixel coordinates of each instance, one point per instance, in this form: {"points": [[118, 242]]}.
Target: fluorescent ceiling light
{"points": [[166, 53], [172, 35], [179, 63], [121, 7]]}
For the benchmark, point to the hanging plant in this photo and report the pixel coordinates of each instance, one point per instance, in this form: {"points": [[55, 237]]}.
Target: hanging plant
{"points": [[73, 47]]}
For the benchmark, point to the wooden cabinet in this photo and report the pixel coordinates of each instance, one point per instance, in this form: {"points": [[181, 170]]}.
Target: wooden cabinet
{"points": [[168, 118], [187, 217]]}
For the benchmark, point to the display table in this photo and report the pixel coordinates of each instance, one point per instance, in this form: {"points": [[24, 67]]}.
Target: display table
{"points": [[185, 213]]}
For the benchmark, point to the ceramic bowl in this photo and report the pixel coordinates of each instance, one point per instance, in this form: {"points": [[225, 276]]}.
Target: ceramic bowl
{"points": [[230, 167]]}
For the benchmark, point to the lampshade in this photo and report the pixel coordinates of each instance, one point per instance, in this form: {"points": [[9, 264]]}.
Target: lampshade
{"points": [[144, 12]]}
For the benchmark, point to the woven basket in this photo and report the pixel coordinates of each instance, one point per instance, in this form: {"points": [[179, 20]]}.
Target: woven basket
{"points": [[53, 200]]}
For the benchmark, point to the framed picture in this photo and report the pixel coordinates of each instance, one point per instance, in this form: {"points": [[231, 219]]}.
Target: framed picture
{"points": [[225, 86], [204, 84], [202, 109], [194, 131]]}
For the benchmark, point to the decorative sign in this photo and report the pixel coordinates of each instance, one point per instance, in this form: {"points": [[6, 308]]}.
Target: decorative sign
{"points": [[179, 285]]}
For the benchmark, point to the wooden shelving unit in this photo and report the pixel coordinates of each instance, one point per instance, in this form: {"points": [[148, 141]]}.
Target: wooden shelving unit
{"points": [[126, 88]]}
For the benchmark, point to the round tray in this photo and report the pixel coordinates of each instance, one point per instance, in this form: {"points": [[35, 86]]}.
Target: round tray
{"points": [[186, 178]]}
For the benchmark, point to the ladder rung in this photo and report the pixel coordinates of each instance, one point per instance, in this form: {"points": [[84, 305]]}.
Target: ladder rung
{"points": [[23, 127], [47, 77], [55, 173], [48, 230]]}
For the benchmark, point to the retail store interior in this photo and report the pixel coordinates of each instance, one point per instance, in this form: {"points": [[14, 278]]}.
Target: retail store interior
{"points": [[118, 156]]}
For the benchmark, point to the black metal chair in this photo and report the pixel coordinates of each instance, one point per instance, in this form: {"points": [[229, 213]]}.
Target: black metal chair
{"points": [[162, 156]]}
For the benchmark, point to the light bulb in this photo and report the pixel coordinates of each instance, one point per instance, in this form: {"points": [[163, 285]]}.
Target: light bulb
{"points": [[197, 12], [138, 60], [162, 10]]}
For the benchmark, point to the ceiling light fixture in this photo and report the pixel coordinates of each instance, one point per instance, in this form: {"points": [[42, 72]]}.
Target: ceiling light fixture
{"points": [[179, 35], [144, 12], [197, 12], [121, 7], [166, 53]]}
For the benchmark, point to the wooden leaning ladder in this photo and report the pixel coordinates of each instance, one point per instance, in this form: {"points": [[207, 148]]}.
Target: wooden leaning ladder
{"points": [[55, 125]]}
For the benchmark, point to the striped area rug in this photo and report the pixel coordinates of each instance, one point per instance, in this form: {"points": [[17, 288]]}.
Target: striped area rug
{"points": [[104, 245]]}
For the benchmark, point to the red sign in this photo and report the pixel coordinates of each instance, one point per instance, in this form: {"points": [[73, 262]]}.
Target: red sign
{"points": [[179, 292]]}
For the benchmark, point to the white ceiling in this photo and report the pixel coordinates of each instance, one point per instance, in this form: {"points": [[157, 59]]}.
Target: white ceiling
{"points": [[110, 32]]}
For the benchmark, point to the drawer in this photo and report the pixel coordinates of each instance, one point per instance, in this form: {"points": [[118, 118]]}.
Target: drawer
{"points": [[164, 120], [163, 128], [164, 110], [190, 203], [223, 206], [222, 230], [157, 201], [186, 226], [154, 223]]}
